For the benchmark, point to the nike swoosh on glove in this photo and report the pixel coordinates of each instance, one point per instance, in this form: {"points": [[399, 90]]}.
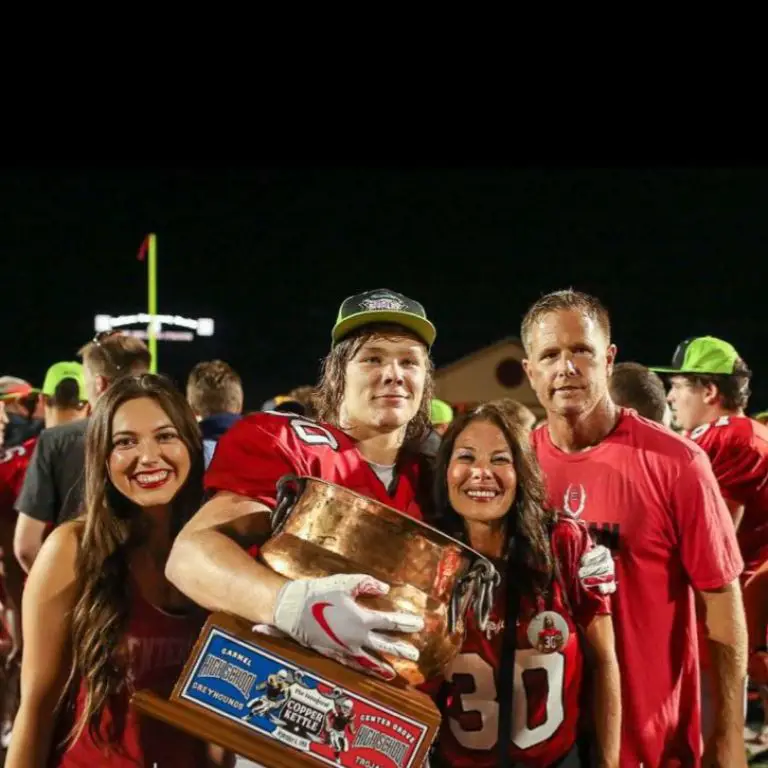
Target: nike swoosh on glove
{"points": [[597, 570], [323, 615]]}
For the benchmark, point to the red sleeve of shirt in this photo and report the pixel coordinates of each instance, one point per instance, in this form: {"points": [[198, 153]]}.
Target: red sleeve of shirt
{"points": [[738, 461], [570, 542], [707, 538], [249, 461]]}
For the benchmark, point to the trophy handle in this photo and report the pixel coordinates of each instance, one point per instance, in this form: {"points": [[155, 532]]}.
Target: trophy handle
{"points": [[483, 578], [289, 488]]}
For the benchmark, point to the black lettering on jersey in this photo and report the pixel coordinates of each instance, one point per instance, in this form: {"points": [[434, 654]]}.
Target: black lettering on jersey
{"points": [[607, 534]]}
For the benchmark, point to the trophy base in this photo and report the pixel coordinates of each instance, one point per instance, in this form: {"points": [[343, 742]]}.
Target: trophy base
{"points": [[282, 705]]}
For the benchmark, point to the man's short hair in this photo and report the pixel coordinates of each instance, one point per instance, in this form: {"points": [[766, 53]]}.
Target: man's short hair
{"points": [[213, 387], [113, 354], [66, 395], [568, 299], [635, 386], [520, 413]]}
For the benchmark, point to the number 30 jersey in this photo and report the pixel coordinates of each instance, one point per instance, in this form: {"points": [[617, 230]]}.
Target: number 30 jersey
{"points": [[259, 449], [549, 669]]}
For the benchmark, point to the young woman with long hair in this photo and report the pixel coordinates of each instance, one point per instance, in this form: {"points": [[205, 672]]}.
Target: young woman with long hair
{"points": [[100, 618], [489, 493]]}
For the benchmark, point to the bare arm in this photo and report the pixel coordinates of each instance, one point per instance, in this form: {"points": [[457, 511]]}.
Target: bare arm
{"points": [[27, 540], [607, 690], [218, 757], [756, 609], [737, 512], [209, 563], [727, 638], [49, 597]]}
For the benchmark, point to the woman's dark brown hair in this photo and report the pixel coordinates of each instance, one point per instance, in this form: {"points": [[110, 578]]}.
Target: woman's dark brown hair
{"points": [[529, 521], [112, 528], [330, 390]]}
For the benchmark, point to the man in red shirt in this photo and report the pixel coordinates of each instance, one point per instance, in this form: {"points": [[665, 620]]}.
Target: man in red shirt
{"points": [[709, 392], [13, 466], [652, 497], [374, 400]]}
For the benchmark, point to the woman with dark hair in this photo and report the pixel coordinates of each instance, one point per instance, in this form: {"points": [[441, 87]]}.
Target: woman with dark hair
{"points": [[521, 689], [100, 618]]}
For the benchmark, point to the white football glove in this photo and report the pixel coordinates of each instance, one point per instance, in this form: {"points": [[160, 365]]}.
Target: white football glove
{"points": [[598, 571], [322, 614]]}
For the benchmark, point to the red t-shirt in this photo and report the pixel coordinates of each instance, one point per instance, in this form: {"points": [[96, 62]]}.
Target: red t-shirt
{"points": [[13, 466], [157, 645], [651, 495], [549, 666], [737, 446], [257, 451]]}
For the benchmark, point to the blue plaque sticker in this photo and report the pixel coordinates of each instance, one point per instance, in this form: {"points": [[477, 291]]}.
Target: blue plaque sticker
{"points": [[268, 694]]}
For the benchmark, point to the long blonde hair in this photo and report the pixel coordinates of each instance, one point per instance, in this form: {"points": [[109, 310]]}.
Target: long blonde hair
{"points": [[111, 529]]}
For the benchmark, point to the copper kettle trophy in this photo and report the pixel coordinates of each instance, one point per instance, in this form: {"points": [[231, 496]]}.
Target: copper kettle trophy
{"points": [[280, 704]]}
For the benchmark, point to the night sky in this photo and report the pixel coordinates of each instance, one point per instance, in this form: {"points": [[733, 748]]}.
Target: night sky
{"points": [[270, 254]]}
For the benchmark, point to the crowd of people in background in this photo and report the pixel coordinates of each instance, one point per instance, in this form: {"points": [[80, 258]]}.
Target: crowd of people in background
{"points": [[128, 507]]}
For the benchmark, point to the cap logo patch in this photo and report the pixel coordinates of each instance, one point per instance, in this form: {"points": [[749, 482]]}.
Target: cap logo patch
{"points": [[387, 303]]}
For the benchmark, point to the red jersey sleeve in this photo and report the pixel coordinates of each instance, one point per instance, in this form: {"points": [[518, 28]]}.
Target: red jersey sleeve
{"points": [[570, 542], [738, 460], [708, 546], [249, 461]]}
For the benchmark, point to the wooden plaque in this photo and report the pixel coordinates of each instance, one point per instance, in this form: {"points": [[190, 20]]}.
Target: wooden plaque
{"points": [[282, 705]]}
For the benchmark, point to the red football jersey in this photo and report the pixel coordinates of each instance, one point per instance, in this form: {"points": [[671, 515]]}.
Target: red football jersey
{"points": [[257, 451], [652, 497], [549, 667], [13, 466], [737, 446]]}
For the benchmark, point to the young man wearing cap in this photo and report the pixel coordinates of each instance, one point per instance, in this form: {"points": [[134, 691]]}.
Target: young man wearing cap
{"points": [[652, 496], [22, 408], [709, 392], [373, 404], [64, 395], [53, 486]]}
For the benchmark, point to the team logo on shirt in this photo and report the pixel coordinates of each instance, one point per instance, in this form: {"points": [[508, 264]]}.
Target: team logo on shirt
{"points": [[574, 499], [548, 632]]}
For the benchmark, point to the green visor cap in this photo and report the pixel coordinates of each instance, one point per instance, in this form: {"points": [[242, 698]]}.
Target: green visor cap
{"points": [[64, 370], [702, 354], [382, 306]]}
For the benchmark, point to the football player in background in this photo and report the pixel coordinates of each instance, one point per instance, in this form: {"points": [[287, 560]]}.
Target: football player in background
{"points": [[709, 392]]}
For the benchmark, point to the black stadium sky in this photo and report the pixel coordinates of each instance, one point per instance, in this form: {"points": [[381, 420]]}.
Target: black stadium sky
{"points": [[269, 254]]}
